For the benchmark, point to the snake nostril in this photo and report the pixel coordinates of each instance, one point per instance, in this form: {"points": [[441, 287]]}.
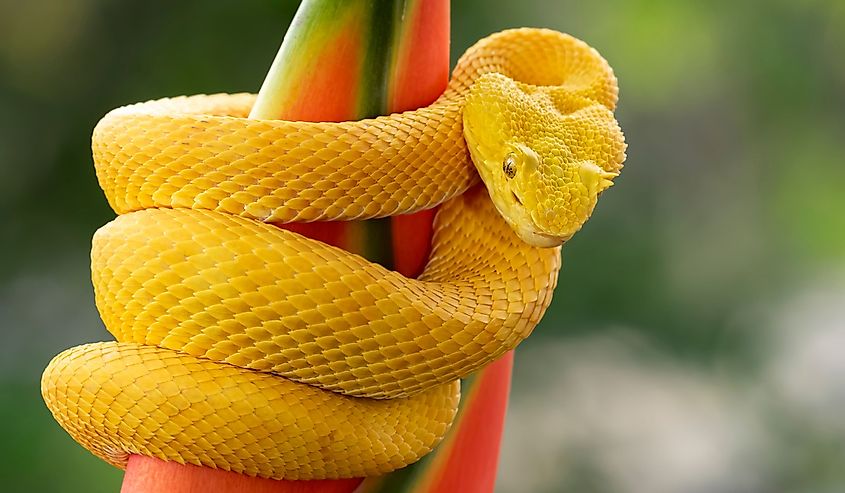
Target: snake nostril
{"points": [[516, 197]]}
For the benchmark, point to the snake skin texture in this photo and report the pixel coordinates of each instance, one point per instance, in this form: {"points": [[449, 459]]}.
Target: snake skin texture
{"points": [[249, 348]]}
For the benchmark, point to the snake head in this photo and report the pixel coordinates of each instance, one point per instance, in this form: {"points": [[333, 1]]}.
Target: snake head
{"points": [[544, 153]]}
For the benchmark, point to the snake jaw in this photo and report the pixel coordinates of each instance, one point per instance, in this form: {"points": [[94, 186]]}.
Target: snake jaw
{"points": [[510, 196], [490, 140], [488, 148]]}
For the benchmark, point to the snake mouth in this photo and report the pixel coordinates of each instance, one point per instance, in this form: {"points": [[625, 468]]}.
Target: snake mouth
{"points": [[544, 240]]}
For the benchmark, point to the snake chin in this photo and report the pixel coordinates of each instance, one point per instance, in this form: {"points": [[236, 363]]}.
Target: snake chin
{"points": [[543, 240]]}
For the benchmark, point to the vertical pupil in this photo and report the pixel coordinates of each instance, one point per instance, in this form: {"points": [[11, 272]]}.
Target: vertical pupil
{"points": [[509, 167]]}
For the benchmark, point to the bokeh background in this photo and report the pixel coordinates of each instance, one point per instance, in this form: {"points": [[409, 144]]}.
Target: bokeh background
{"points": [[696, 342]]}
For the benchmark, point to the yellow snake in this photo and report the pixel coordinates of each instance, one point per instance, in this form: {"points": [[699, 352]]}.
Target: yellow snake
{"points": [[249, 348]]}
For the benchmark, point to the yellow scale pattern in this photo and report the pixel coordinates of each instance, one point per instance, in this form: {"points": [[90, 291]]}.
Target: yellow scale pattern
{"points": [[249, 348]]}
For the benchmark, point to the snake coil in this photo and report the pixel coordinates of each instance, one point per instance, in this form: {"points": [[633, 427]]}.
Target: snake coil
{"points": [[249, 348]]}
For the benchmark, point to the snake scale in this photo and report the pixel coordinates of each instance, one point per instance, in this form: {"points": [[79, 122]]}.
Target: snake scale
{"points": [[246, 347]]}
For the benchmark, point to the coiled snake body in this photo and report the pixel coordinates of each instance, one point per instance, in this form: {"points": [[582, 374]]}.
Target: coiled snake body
{"points": [[249, 348]]}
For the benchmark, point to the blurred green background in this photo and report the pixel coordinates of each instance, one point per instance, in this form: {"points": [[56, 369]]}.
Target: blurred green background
{"points": [[696, 342]]}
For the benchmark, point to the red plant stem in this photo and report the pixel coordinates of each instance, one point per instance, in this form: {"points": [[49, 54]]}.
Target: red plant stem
{"points": [[150, 475], [422, 75], [471, 456]]}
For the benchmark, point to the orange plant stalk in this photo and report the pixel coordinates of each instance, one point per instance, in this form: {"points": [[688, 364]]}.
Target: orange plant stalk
{"points": [[345, 60]]}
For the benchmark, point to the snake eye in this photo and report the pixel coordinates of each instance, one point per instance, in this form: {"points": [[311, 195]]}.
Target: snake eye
{"points": [[509, 166]]}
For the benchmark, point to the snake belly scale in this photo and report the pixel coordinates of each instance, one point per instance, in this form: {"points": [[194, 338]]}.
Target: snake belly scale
{"points": [[246, 347]]}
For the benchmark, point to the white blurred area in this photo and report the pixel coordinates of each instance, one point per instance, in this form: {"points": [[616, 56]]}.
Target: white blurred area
{"points": [[610, 413], [806, 372]]}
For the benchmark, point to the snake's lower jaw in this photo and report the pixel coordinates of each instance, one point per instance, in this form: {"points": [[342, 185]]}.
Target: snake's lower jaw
{"points": [[542, 240], [521, 222], [512, 209]]}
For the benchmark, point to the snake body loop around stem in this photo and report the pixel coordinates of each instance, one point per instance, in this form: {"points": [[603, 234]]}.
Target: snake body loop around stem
{"points": [[249, 348]]}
